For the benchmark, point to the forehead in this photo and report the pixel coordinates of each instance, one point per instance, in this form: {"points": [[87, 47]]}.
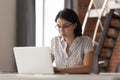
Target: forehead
{"points": [[62, 21]]}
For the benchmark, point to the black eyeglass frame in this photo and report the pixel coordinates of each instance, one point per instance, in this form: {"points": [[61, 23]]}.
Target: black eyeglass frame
{"points": [[63, 26]]}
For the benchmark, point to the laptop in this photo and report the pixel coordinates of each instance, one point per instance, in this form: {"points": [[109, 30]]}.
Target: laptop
{"points": [[33, 60]]}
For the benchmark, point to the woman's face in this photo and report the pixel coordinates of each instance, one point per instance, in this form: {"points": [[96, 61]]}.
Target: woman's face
{"points": [[65, 28]]}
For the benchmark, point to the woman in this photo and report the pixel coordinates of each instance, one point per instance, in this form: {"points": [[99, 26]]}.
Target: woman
{"points": [[72, 52]]}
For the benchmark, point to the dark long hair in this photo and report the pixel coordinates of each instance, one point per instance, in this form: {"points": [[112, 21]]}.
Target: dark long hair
{"points": [[71, 16]]}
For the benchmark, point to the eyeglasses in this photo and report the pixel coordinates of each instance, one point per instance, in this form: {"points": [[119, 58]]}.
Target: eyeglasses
{"points": [[63, 26]]}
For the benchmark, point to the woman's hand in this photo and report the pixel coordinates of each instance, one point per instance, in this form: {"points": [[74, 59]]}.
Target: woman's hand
{"points": [[58, 70]]}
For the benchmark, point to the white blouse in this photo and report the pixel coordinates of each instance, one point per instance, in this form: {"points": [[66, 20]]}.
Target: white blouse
{"points": [[74, 57]]}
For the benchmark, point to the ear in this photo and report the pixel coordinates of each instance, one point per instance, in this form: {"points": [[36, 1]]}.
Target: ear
{"points": [[75, 25]]}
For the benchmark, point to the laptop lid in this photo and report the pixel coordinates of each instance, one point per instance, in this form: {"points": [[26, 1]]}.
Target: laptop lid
{"points": [[33, 60]]}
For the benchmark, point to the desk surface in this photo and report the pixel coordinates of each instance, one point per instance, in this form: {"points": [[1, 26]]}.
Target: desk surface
{"points": [[59, 77]]}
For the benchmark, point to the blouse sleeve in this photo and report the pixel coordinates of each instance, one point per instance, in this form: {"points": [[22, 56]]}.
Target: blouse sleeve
{"points": [[52, 45], [88, 46]]}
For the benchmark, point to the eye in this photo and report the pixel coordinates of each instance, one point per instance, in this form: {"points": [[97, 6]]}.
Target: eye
{"points": [[66, 25], [57, 26]]}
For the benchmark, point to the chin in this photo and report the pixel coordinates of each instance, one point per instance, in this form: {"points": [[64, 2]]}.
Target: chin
{"points": [[63, 36]]}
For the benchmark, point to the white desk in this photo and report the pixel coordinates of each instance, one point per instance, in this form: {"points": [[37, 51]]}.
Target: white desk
{"points": [[59, 77]]}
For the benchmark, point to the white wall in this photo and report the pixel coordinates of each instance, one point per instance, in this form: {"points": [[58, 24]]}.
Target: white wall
{"points": [[99, 3], [7, 34]]}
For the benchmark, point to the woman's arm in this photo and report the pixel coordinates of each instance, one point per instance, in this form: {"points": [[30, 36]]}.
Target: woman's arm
{"points": [[85, 68], [52, 57]]}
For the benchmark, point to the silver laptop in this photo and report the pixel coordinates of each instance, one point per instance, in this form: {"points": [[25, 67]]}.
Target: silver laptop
{"points": [[36, 60]]}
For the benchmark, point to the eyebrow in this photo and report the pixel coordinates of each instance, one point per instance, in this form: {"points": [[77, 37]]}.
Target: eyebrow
{"points": [[65, 23]]}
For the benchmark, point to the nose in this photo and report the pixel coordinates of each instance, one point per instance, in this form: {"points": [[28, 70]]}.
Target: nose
{"points": [[61, 29]]}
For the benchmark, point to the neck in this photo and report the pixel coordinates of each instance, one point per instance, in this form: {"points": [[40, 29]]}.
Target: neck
{"points": [[69, 40]]}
